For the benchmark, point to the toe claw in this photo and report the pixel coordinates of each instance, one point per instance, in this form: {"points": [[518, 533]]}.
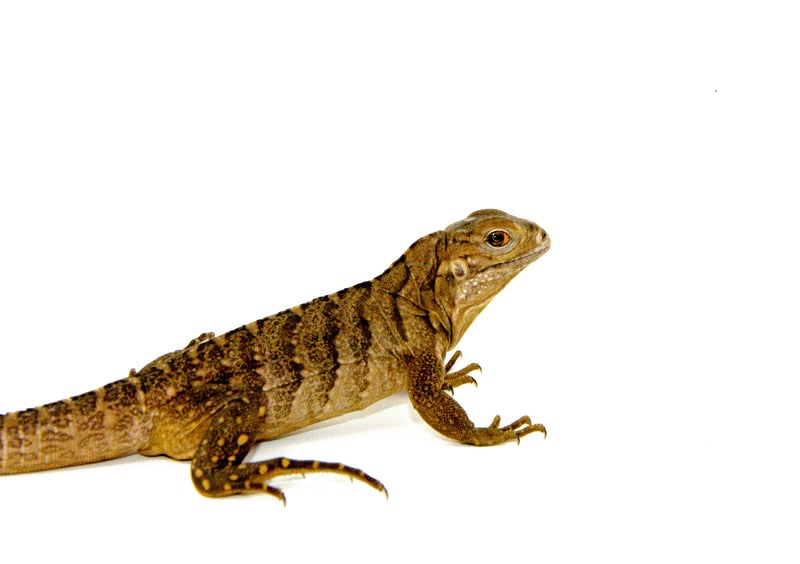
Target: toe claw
{"points": [[452, 361]]}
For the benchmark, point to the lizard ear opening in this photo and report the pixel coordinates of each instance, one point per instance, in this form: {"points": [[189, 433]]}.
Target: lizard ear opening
{"points": [[459, 268]]}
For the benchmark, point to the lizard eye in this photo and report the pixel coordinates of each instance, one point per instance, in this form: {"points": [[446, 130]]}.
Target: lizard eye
{"points": [[498, 238]]}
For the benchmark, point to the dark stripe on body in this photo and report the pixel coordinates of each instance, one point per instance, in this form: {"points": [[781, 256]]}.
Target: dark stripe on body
{"points": [[276, 334], [362, 338], [316, 345], [393, 281]]}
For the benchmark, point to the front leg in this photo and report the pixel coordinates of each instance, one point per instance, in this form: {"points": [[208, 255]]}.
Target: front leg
{"points": [[443, 413]]}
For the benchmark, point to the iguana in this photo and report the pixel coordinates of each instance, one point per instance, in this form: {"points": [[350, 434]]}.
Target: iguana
{"points": [[212, 401]]}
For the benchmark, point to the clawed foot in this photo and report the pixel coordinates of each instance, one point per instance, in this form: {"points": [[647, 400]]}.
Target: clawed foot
{"points": [[459, 377], [203, 337], [494, 434], [520, 427]]}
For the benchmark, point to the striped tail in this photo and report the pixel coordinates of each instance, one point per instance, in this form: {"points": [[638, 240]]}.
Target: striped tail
{"points": [[107, 423]]}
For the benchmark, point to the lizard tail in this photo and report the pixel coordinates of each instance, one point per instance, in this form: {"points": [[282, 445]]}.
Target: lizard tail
{"points": [[107, 423]]}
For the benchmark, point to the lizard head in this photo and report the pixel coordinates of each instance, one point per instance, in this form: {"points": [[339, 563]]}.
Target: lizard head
{"points": [[482, 253]]}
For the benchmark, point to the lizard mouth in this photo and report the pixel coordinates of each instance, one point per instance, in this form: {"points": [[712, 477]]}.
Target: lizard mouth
{"points": [[522, 261], [517, 264], [537, 252]]}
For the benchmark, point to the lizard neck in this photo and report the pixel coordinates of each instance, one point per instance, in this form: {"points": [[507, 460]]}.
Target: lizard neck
{"points": [[411, 279]]}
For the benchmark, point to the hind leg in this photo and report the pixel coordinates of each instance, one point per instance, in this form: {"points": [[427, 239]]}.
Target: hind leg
{"points": [[218, 469]]}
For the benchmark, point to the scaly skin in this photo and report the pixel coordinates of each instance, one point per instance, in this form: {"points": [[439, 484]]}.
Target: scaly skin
{"points": [[213, 400]]}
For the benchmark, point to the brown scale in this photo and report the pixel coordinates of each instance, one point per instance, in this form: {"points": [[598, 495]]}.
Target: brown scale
{"points": [[213, 400]]}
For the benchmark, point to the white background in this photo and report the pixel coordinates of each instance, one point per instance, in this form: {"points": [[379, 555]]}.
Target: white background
{"points": [[169, 168]]}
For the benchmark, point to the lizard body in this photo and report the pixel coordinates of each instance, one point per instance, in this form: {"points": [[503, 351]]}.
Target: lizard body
{"points": [[213, 400]]}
